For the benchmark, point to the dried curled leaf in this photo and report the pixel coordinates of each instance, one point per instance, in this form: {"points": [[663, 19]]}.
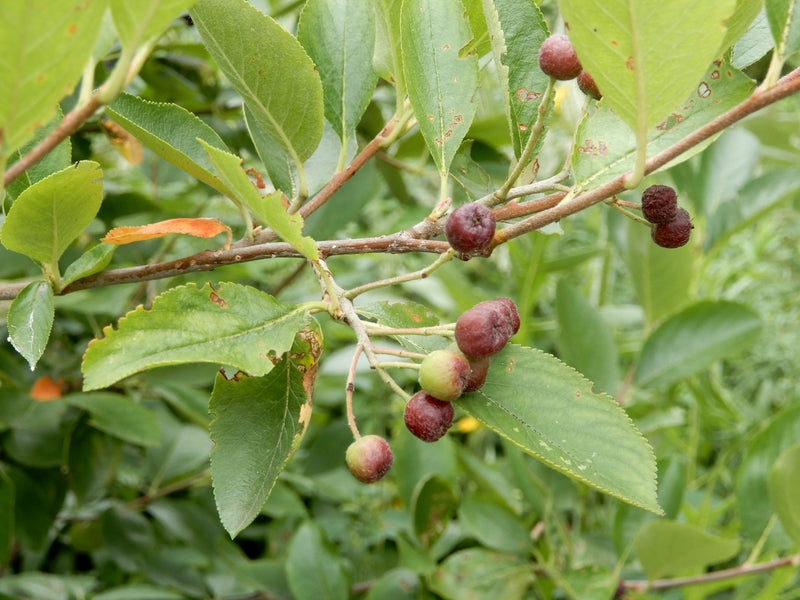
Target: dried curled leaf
{"points": [[198, 227]]}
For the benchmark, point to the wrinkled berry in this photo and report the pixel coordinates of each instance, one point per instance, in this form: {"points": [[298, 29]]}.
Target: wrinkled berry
{"points": [[369, 458], [443, 374], [557, 58], [470, 228], [479, 368], [588, 86], [426, 417], [484, 329], [674, 233], [659, 204]]}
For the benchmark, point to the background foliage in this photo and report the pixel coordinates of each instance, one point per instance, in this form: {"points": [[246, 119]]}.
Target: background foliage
{"points": [[106, 483]]}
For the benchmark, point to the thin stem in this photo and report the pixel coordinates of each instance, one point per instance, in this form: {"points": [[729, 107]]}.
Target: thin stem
{"points": [[443, 330], [349, 389], [421, 274], [627, 213], [400, 353], [398, 365]]}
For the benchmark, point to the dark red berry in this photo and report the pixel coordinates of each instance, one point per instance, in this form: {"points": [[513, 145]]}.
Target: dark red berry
{"points": [[369, 458], [470, 228], [484, 329], [479, 368], [588, 86], [557, 58], [428, 418], [674, 233], [659, 204], [443, 374]]}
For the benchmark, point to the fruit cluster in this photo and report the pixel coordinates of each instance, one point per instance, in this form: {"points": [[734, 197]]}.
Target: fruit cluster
{"points": [[444, 375], [673, 227], [558, 59]]}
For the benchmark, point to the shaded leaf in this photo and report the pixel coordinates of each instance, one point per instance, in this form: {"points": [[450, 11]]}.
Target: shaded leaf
{"points": [[671, 548], [198, 227], [313, 570], [51, 213], [30, 319], [234, 325], [271, 71], [405, 315], [119, 416], [549, 410], [784, 490], [744, 15], [695, 338], [441, 83], [7, 494], [784, 23], [90, 262], [493, 525], [481, 574], [433, 505], [139, 20]]}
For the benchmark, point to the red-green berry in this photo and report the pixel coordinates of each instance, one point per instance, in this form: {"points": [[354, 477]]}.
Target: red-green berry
{"points": [[479, 368], [659, 203], [369, 458], [557, 58], [588, 86], [443, 374], [673, 233], [426, 417], [470, 228]]}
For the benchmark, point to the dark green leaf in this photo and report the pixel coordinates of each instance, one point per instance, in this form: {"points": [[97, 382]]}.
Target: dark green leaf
{"points": [[549, 410], [235, 325], [119, 416], [313, 570], [90, 262], [7, 494], [695, 338], [405, 315], [784, 22], [784, 490], [433, 505], [92, 462], [493, 525], [480, 574], [397, 584], [30, 319]]}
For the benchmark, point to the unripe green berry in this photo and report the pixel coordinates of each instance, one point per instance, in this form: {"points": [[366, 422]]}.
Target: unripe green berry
{"points": [[443, 374]]}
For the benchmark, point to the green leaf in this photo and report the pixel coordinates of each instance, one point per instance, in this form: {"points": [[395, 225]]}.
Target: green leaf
{"points": [[139, 20], [30, 319], [39, 497], [276, 163], [396, 584], [259, 423], [693, 339], [661, 276], [763, 451], [441, 83], [671, 548], [624, 46], [433, 504], [314, 571], [517, 30], [90, 262], [171, 132], [480, 574], [269, 208], [41, 59], [50, 214], [92, 461], [234, 325], [271, 71], [744, 15], [119, 416], [493, 525], [339, 36], [549, 410], [138, 591], [405, 315], [784, 23], [388, 59], [604, 147], [784, 490], [7, 494], [585, 340]]}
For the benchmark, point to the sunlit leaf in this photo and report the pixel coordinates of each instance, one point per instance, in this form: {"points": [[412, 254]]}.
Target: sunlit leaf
{"points": [[30, 319]]}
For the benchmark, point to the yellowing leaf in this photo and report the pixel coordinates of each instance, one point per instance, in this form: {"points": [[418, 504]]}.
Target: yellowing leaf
{"points": [[198, 227]]}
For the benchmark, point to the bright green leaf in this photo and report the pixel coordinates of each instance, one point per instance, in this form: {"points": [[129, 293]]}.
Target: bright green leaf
{"points": [[784, 22], [119, 416], [517, 30], [784, 490], [276, 163], [481, 574], [258, 424], [51, 213], [30, 319], [339, 36], [549, 410], [41, 59], [695, 338], [585, 340], [234, 325], [433, 504], [171, 132], [646, 56], [388, 58], [745, 13], [441, 83], [271, 71], [90, 262], [139, 20], [314, 571], [269, 208], [671, 548]]}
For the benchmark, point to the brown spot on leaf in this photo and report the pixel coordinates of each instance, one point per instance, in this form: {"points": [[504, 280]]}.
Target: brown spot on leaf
{"points": [[522, 127], [629, 63], [715, 74], [578, 394], [703, 90], [73, 29], [525, 95], [446, 47], [217, 300]]}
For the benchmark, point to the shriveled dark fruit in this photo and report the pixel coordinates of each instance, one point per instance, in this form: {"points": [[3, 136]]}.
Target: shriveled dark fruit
{"points": [[485, 328], [557, 58], [470, 228], [443, 374], [369, 458], [428, 418], [479, 368], [588, 86], [659, 203], [674, 233]]}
